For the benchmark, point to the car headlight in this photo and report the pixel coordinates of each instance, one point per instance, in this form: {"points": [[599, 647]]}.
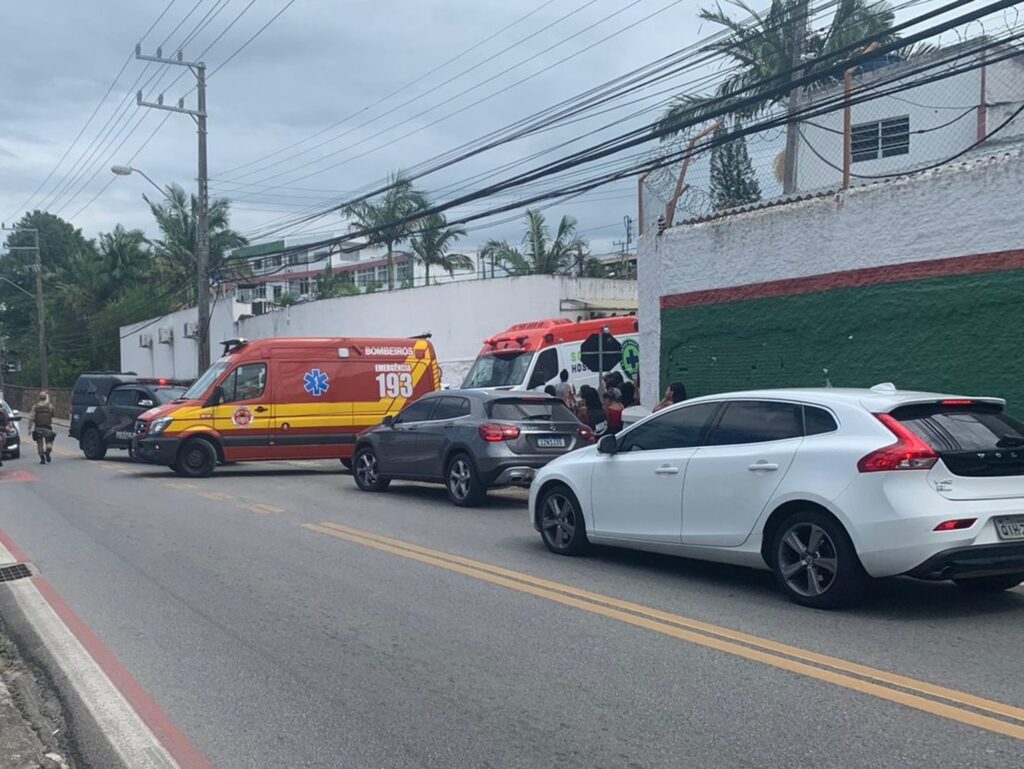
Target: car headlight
{"points": [[160, 425]]}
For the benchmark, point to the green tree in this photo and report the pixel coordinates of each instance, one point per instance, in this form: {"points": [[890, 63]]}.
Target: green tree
{"points": [[125, 256], [390, 218], [175, 250], [762, 53], [432, 246], [733, 181], [540, 254], [331, 284]]}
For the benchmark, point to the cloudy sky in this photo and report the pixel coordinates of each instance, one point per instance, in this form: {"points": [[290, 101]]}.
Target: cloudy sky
{"points": [[401, 82]]}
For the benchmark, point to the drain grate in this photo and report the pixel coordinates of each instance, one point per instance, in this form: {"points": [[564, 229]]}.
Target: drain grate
{"points": [[11, 573]]}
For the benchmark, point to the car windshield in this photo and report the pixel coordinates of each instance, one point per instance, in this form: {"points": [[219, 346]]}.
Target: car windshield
{"points": [[202, 384], [528, 409], [504, 370], [168, 394]]}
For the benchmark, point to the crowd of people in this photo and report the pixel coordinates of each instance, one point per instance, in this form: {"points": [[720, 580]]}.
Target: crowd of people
{"points": [[602, 410]]}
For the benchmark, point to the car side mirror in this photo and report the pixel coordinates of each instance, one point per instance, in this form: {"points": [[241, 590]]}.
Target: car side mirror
{"points": [[388, 421], [146, 404], [608, 445]]}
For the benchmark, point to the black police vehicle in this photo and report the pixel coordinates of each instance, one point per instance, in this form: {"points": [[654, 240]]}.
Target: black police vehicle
{"points": [[104, 406]]}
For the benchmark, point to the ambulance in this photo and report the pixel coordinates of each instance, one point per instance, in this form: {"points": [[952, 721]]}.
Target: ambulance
{"points": [[528, 356], [286, 398]]}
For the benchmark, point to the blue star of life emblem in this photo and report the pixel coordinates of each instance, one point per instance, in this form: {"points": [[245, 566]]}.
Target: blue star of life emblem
{"points": [[316, 382]]}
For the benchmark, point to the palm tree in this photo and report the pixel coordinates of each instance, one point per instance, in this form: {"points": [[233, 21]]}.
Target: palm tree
{"points": [[763, 54], [175, 251], [540, 253], [431, 247], [390, 218], [125, 255]]}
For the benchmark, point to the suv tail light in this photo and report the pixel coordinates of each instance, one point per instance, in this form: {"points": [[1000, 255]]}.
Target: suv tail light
{"points": [[908, 452], [586, 434], [493, 433]]}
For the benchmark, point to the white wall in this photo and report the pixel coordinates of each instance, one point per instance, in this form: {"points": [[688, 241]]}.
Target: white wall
{"points": [[969, 208], [459, 315]]}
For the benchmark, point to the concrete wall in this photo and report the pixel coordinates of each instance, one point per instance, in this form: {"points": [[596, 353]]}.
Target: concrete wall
{"points": [[917, 281], [459, 315]]}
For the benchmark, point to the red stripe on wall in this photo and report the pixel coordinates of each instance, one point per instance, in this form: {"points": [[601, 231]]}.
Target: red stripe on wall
{"points": [[870, 276]]}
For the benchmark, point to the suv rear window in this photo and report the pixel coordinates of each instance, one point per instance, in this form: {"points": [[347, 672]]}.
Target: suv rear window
{"points": [[520, 409], [973, 438]]}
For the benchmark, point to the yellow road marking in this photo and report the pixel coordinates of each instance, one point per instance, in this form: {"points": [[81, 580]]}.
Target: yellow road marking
{"points": [[181, 485], [821, 667], [259, 507], [216, 496]]}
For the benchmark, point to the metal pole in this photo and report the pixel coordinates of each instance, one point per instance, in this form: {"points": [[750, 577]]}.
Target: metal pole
{"points": [[792, 126], [44, 363], [202, 228]]}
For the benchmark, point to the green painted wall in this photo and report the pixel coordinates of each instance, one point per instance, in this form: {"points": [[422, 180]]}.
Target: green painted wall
{"points": [[961, 334]]}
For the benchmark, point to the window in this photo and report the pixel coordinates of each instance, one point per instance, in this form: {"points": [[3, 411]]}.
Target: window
{"points": [[757, 422], [501, 370], [260, 292], [540, 409], [257, 265], [403, 272], [303, 286], [123, 397], [451, 408], [971, 427], [417, 412], [681, 428], [245, 383], [365, 277], [818, 421], [278, 292], [545, 369], [885, 138]]}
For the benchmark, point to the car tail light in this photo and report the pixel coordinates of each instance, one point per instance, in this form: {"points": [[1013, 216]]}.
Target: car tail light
{"points": [[908, 452], [958, 403], [587, 435], [495, 433], [961, 523]]}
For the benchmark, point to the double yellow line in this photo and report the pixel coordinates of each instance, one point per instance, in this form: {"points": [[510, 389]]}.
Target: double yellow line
{"points": [[958, 706]]}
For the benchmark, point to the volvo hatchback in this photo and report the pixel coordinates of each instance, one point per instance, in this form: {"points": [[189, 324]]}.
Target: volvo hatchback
{"points": [[827, 488]]}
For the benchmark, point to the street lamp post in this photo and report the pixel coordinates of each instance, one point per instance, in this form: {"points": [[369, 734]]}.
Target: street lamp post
{"points": [[129, 170]]}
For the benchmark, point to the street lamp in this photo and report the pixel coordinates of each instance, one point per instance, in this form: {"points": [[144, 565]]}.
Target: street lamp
{"points": [[128, 171]]}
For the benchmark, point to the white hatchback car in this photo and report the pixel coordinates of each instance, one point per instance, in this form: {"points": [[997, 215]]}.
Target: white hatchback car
{"points": [[825, 487]]}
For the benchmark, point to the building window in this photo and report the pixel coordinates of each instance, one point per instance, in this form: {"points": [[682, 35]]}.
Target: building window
{"points": [[257, 265], [882, 139], [260, 291], [303, 286], [403, 272], [365, 277], [278, 291]]}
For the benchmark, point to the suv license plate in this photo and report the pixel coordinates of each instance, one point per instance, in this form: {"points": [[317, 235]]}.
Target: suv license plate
{"points": [[1010, 528], [551, 443]]}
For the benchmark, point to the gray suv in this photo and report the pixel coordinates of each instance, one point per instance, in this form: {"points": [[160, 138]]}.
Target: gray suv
{"points": [[469, 440]]}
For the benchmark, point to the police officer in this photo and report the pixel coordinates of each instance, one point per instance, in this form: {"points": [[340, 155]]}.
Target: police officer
{"points": [[42, 427]]}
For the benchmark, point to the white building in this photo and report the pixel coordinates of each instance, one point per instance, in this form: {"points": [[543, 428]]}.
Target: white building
{"points": [[927, 123], [275, 276]]}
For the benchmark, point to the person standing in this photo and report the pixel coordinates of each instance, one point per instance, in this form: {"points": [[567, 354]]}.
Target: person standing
{"points": [[592, 414], [613, 411], [42, 427], [565, 390], [5, 421], [675, 393]]}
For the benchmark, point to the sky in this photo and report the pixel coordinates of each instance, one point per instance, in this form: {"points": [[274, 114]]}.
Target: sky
{"points": [[320, 63]]}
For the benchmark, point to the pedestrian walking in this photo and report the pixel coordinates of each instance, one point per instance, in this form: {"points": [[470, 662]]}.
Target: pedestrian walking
{"points": [[5, 423], [42, 427]]}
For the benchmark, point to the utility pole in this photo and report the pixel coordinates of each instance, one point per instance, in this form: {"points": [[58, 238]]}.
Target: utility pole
{"points": [[627, 222], [44, 363], [799, 9], [202, 214]]}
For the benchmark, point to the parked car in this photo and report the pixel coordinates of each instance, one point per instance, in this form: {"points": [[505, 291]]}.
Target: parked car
{"points": [[105, 405], [12, 444], [827, 488], [469, 440]]}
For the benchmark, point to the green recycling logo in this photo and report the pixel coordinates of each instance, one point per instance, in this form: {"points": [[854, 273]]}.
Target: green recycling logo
{"points": [[630, 357]]}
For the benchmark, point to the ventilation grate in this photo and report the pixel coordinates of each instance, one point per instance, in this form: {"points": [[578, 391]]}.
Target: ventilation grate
{"points": [[11, 573]]}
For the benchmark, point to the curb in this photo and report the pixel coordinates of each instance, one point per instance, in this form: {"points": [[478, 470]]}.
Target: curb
{"points": [[115, 724]]}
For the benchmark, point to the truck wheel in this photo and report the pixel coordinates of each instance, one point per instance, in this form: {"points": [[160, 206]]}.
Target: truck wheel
{"points": [[465, 488], [92, 444], [196, 459]]}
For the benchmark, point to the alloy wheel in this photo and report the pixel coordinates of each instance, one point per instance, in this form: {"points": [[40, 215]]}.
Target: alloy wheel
{"points": [[366, 469], [807, 559], [558, 520], [460, 479]]}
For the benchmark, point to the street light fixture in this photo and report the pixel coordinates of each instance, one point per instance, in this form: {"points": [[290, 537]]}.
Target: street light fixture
{"points": [[128, 171]]}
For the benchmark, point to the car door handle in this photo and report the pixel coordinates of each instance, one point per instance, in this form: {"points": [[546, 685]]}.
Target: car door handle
{"points": [[763, 466], [666, 470], [261, 409]]}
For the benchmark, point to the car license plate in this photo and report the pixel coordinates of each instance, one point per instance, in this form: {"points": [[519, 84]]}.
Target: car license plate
{"points": [[551, 443], [1010, 528]]}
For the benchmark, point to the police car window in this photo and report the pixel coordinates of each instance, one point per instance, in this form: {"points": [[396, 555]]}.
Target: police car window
{"points": [[124, 397], [245, 383], [678, 429], [417, 412]]}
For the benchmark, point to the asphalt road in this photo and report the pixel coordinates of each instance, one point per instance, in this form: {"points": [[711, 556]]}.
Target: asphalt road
{"points": [[282, 618]]}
